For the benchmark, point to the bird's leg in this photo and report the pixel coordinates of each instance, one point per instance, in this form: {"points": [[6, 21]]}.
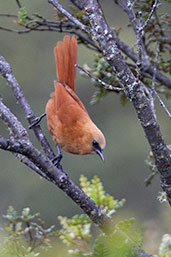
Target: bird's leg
{"points": [[57, 159], [37, 120]]}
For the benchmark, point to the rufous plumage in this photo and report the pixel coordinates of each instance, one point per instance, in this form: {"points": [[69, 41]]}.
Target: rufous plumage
{"points": [[68, 121]]}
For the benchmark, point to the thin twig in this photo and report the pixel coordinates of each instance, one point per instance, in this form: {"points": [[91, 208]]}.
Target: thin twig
{"points": [[88, 40], [139, 46], [68, 15], [18, 3], [128, 8], [54, 26], [149, 179], [105, 85], [150, 15], [162, 103], [15, 31], [8, 15], [154, 81], [136, 93], [55, 174], [155, 65]]}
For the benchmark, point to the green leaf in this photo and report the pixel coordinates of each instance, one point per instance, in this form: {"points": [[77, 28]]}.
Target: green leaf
{"points": [[94, 189], [22, 16], [100, 248]]}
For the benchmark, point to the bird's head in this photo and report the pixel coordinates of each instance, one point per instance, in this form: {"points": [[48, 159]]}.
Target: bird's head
{"points": [[98, 144]]}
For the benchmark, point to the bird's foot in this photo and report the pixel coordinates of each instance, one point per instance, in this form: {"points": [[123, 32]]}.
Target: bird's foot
{"points": [[56, 161], [36, 121]]}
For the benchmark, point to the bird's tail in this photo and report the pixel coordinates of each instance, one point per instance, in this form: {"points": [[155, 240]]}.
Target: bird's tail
{"points": [[66, 57]]}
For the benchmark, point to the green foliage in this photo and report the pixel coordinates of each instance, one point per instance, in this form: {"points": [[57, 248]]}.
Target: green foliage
{"points": [[26, 232], [114, 247], [155, 31], [13, 247], [100, 248], [94, 189], [22, 16], [127, 227], [75, 230], [26, 235], [165, 246], [101, 70]]}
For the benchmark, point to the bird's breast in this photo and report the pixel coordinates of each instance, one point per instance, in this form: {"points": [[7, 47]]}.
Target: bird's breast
{"points": [[69, 128]]}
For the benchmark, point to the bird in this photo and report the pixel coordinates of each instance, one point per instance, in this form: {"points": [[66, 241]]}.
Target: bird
{"points": [[67, 118]]}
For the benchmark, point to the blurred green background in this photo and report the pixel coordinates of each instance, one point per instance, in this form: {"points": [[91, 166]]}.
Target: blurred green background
{"points": [[124, 170]]}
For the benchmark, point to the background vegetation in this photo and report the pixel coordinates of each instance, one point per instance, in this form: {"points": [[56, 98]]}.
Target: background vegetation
{"points": [[124, 170]]}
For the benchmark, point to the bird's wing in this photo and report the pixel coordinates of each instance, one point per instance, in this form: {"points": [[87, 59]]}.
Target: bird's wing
{"points": [[75, 97], [64, 93]]}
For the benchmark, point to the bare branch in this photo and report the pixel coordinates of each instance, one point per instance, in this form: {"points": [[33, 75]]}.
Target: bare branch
{"points": [[127, 6], [18, 3], [105, 85], [17, 131], [154, 7], [43, 24], [60, 179], [6, 72], [68, 15], [15, 31], [135, 91], [8, 15], [154, 80], [40, 163]]}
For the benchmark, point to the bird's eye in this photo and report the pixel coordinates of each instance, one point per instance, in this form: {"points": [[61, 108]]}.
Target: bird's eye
{"points": [[95, 144]]}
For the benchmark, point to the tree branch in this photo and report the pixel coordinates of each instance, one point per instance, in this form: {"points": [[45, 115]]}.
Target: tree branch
{"points": [[63, 182], [22, 147], [105, 85], [106, 39], [68, 15], [6, 72], [59, 178], [154, 81], [42, 24]]}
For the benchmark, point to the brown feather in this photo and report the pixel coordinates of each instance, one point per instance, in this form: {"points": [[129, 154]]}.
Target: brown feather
{"points": [[60, 65], [66, 57], [68, 120]]}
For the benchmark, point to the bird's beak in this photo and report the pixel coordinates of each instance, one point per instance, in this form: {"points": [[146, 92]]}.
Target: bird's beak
{"points": [[100, 153]]}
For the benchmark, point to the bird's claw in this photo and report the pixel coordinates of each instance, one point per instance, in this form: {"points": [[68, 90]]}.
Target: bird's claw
{"points": [[36, 121], [56, 161]]}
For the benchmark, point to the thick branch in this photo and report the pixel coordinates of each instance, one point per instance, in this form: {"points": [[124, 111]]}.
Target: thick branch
{"points": [[60, 179], [70, 27], [146, 65], [17, 131], [55, 175], [64, 183], [106, 39], [22, 147], [6, 72]]}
